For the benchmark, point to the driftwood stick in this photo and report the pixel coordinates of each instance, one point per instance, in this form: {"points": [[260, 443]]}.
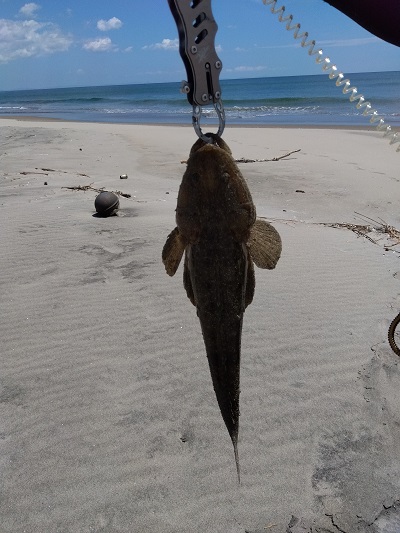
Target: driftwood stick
{"points": [[52, 170], [83, 188], [245, 160], [278, 158], [90, 188], [26, 173]]}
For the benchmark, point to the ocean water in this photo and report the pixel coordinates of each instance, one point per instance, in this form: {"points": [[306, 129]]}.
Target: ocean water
{"points": [[298, 100]]}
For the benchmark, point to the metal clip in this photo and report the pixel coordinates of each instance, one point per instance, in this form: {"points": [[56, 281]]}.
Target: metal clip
{"points": [[197, 29], [196, 121]]}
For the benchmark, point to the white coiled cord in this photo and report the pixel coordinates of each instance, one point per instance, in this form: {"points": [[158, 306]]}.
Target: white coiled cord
{"points": [[335, 74]]}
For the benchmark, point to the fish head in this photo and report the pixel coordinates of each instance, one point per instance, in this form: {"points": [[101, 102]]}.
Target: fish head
{"points": [[216, 141], [213, 194]]}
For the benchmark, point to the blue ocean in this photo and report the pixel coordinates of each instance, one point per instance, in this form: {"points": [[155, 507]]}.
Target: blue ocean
{"points": [[292, 100]]}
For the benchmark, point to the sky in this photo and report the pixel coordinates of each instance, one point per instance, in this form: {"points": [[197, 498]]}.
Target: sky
{"points": [[72, 43]]}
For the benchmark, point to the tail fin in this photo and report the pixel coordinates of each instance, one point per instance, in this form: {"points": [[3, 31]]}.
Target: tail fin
{"points": [[236, 452]]}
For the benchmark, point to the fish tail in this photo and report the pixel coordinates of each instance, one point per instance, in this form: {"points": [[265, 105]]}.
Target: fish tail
{"points": [[236, 452]]}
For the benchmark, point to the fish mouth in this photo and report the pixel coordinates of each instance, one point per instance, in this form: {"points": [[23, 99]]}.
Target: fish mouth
{"points": [[216, 141]]}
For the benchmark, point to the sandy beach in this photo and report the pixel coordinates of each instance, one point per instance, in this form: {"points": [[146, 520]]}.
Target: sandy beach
{"points": [[108, 419]]}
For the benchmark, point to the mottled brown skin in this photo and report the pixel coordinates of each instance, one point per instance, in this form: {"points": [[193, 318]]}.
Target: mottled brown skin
{"points": [[218, 230]]}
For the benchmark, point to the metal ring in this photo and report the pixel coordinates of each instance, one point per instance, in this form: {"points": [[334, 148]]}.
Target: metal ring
{"points": [[219, 108]]}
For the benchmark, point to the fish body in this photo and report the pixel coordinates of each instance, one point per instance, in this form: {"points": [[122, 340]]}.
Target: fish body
{"points": [[217, 269], [221, 237]]}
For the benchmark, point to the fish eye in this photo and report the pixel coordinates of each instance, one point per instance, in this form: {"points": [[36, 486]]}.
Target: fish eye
{"points": [[195, 177]]}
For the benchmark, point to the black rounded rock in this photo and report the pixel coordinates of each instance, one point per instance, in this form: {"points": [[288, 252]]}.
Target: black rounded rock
{"points": [[106, 203]]}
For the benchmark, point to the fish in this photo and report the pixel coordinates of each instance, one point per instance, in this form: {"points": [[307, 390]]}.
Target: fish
{"points": [[221, 237]]}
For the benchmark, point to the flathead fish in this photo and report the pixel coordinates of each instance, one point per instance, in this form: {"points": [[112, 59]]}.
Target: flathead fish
{"points": [[218, 230]]}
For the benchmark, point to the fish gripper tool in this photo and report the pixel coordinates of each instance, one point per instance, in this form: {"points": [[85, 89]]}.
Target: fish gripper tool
{"points": [[197, 29]]}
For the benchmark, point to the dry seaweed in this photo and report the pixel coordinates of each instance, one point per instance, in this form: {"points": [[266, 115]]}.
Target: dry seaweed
{"points": [[358, 229], [383, 227], [373, 230], [90, 188]]}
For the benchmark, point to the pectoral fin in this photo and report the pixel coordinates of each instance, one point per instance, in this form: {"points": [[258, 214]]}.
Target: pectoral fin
{"points": [[173, 251], [265, 245]]}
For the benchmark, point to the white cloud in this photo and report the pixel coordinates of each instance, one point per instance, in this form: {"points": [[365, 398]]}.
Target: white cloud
{"points": [[29, 38], [277, 46], [164, 74], [249, 69], [333, 43], [28, 10], [244, 68], [166, 44], [111, 24], [171, 44], [99, 45], [349, 42]]}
